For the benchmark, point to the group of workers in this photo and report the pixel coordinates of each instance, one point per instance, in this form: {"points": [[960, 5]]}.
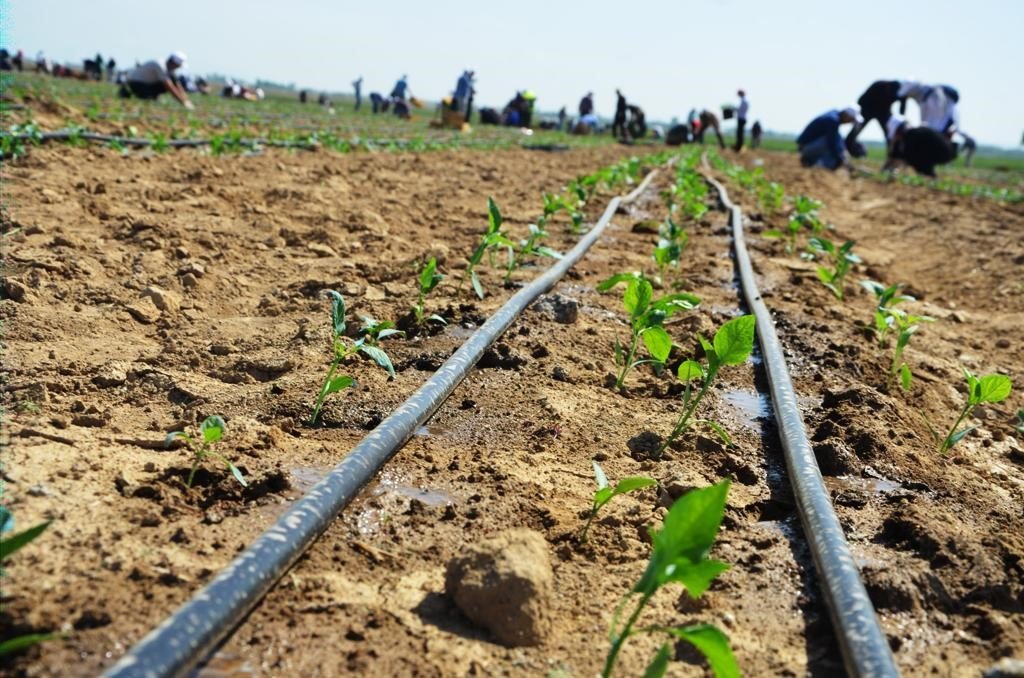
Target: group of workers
{"points": [[923, 147], [821, 143]]}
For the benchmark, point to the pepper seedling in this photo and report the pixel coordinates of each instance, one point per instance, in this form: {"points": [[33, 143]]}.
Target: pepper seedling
{"points": [[885, 299], [342, 348], [732, 345], [804, 217], [492, 239], [211, 431], [8, 547], [679, 554], [429, 278], [991, 388], [840, 257], [606, 493], [646, 318]]}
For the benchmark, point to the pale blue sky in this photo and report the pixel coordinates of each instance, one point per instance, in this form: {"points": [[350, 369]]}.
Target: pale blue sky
{"points": [[795, 58]]}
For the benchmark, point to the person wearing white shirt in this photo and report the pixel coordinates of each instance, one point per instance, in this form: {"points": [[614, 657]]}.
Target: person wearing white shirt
{"points": [[741, 118]]}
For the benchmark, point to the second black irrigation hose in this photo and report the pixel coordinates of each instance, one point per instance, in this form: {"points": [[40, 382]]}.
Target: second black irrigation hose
{"points": [[186, 637], [864, 646]]}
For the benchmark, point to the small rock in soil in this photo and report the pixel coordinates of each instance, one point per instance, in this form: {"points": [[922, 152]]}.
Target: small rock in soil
{"points": [[165, 300], [145, 311], [559, 308], [16, 290], [113, 373], [1007, 667], [505, 584]]}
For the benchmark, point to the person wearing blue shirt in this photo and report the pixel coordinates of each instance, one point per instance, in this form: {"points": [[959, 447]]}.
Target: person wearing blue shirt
{"points": [[463, 89], [401, 88], [820, 143]]}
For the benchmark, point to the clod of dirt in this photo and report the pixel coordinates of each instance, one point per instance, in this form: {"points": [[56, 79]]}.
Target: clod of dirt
{"points": [[1007, 667], [145, 311], [165, 300], [113, 373], [561, 309], [505, 584], [17, 290]]}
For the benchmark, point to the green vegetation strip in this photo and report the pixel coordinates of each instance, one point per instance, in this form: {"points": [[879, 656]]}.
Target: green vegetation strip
{"points": [[863, 644], [196, 628]]}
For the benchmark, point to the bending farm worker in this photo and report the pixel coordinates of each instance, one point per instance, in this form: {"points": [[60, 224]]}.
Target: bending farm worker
{"points": [[920, 147], [820, 143], [151, 79]]}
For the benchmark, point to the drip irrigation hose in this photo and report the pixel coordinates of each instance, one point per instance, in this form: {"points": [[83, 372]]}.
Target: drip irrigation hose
{"points": [[197, 627], [864, 646]]}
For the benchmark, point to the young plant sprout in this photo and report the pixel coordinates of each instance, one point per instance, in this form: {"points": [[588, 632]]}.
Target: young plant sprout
{"points": [[529, 248], [804, 217], [8, 547], [885, 299], [732, 345], [841, 259], [492, 239], [679, 554], [374, 330], [646, 318], [672, 240], [991, 388], [605, 493], [210, 432], [343, 347], [428, 280]]}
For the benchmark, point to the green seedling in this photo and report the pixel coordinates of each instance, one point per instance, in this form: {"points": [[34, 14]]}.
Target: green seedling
{"points": [[211, 431], [770, 195], [991, 388], [885, 299], [529, 248], [646, 319], [8, 547], [679, 554], [606, 493], [905, 326], [804, 218], [374, 330], [841, 259], [492, 239], [343, 348], [732, 345], [429, 278], [1020, 421]]}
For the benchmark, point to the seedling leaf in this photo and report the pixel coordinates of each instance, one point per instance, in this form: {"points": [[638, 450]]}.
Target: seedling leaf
{"points": [[690, 370], [713, 644], [12, 544], [477, 287], [658, 665], [19, 643], [611, 282], [658, 343], [633, 483], [959, 435], [599, 476], [734, 340], [212, 428], [905, 377], [696, 577], [994, 388], [637, 297], [380, 357], [337, 313], [337, 384]]}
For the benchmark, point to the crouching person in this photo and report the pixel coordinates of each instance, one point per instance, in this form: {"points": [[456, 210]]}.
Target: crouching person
{"points": [[820, 143], [920, 147], [151, 79]]}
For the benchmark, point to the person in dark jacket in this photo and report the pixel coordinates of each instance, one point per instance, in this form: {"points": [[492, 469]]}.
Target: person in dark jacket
{"points": [[876, 104], [755, 134], [587, 104], [920, 147], [619, 122], [708, 120], [820, 143]]}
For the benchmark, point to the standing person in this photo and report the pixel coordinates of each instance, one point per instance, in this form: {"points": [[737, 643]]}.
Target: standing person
{"points": [[820, 143], [401, 89], [151, 79], [587, 104], [111, 67], [529, 101], [755, 134], [741, 119], [619, 123], [19, 60], [561, 119], [357, 87], [463, 90]]}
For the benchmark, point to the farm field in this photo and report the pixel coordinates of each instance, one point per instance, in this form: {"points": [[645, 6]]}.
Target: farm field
{"points": [[146, 291]]}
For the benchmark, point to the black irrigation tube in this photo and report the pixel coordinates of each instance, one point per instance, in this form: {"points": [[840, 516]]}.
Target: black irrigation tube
{"points": [[864, 646], [197, 627]]}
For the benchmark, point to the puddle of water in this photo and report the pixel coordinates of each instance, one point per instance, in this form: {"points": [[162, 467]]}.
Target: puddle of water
{"points": [[392, 497], [753, 407], [460, 332], [225, 665], [305, 477], [430, 431], [862, 485]]}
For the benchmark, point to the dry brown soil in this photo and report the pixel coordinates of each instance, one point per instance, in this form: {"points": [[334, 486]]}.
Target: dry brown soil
{"points": [[96, 373]]}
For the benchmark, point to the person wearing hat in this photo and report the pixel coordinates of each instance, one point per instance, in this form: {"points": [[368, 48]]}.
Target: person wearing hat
{"points": [[741, 119], [920, 147], [151, 79], [820, 143]]}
